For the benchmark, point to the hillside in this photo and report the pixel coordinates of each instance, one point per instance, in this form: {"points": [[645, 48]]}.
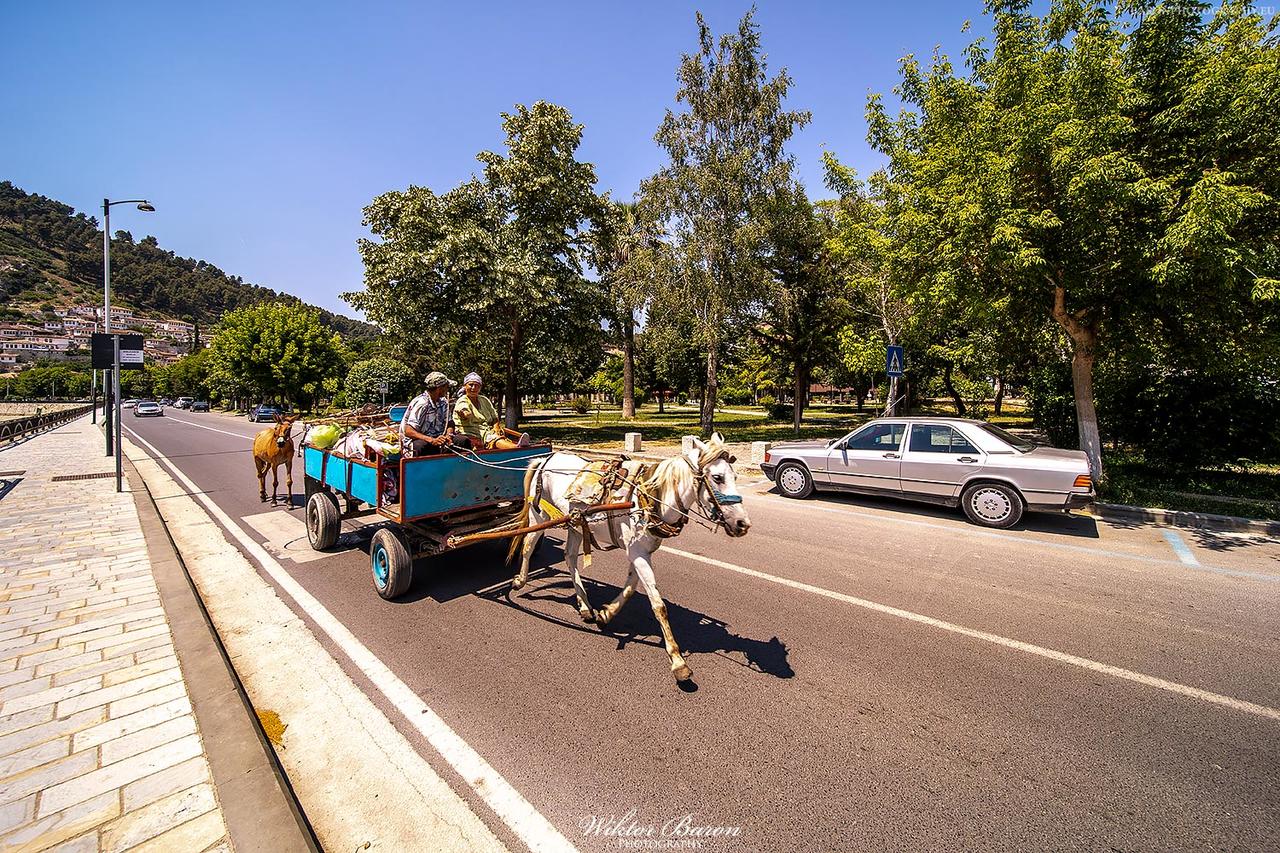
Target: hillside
{"points": [[51, 256]]}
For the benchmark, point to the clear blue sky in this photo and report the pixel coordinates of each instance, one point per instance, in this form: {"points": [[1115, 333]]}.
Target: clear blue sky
{"points": [[260, 130]]}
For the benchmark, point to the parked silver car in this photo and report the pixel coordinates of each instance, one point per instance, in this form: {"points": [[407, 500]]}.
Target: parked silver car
{"points": [[993, 475]]}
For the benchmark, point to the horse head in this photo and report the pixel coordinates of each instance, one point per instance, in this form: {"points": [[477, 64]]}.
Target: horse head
{"points": [[717, 485], [281, 431]]}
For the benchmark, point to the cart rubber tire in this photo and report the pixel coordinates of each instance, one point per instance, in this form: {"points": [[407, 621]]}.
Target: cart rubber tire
{"points": [[392, 566], [992, 505], [323, 525], [794, 480]]}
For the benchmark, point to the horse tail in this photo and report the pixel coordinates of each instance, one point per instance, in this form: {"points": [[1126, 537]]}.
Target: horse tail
{"points": [[517, 542]]}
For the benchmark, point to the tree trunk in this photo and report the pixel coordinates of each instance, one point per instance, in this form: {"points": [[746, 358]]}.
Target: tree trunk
{"points": [[709, 391], [999, 402], [662, 399], [802, 392], [629, 367], [1084, 347], [891, 398], [951, 390], [512, 391]]}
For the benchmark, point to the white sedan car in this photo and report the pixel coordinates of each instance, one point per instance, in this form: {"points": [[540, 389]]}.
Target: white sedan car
{"points": [[992, 475]]}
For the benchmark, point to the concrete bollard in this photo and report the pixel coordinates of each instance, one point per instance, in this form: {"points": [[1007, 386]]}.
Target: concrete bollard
{"points": [[758, 449], [632, 443], [686, 444]]}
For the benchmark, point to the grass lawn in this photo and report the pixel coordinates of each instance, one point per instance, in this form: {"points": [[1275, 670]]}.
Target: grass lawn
{"points": [[606, 428], [1250, 490]]}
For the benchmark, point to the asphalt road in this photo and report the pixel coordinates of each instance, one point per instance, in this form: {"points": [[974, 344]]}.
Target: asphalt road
{"points": [[869, 674]]}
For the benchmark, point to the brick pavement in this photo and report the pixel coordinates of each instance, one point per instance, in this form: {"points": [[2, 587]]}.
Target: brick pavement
{"points": [[99, 749]]}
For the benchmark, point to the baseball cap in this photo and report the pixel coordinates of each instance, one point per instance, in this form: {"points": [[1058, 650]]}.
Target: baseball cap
{"points": [[436, 379]]}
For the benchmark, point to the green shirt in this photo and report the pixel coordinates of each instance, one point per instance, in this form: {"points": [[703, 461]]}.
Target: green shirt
{"points": [[476, 419]]}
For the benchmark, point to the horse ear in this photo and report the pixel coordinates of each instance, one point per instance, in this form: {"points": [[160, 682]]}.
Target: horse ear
{"points": [[717, 437]]}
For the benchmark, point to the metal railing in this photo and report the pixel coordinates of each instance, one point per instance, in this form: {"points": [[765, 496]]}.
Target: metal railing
{"points": [[24, 425]]}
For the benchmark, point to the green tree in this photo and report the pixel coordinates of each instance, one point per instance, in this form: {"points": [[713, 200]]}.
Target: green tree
{"points": [[804, 305], [273, 350], [621, 247], [366, 378], [1113, 175], [495, 263], [726, 154], [187, 376]]}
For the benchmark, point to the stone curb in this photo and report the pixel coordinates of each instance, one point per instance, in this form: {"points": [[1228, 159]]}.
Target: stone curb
{"points": [[1180, 518], [257, 801]]}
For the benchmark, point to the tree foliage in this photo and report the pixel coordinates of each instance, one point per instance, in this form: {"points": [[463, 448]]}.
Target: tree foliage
{"points": [[494, 265], [725, 157], [273, 351], [364, 381]]}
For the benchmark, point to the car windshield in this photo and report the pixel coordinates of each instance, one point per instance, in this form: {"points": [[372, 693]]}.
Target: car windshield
{"points": [[1019, 444]]}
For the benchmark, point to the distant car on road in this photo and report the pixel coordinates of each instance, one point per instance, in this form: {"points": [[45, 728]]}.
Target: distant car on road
{"points": [[128, 404], [264, 413], [165, 401], [992, 475], [199, 406], [183, 402], [148, 409]]}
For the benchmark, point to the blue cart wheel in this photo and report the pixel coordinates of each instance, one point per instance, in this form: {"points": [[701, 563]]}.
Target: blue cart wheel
{"points": [[392, 566]]}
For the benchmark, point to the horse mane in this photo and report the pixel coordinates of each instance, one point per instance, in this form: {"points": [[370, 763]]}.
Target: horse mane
{"points": [[674, 472]]}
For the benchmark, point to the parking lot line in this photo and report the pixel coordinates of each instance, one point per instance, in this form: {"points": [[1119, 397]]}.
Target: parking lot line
{"points": [[996, 639], [970, 530], [1180, 548]]}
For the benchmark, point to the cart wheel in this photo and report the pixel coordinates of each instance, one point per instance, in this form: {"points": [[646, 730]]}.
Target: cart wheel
{"points": [[392, 565], [322, 521]]}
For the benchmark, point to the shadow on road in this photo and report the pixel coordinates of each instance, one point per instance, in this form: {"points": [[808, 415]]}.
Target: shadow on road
{"points": [[473, 570], [1060, 524]]}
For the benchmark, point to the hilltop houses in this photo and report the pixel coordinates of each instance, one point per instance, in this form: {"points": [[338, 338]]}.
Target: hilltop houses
{"points": [[22, 343]]}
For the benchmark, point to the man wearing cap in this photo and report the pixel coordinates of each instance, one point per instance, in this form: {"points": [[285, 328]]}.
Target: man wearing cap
{"points": [[426, 426]]}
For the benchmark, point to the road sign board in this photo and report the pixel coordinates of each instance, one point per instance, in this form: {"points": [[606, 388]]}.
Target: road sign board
{"points": [[101, 351], [894, 360]]}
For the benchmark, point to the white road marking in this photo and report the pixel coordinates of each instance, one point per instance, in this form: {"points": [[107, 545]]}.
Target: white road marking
{"points": [[248, 438], [1017, 645], [526, 822]]}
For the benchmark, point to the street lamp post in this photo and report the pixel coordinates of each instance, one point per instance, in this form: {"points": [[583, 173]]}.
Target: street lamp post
{"points": [[111, 382]]}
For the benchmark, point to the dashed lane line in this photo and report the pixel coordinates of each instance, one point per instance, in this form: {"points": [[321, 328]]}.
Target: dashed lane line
{"points": [[996, 639], [528, 824], [239, 435]]}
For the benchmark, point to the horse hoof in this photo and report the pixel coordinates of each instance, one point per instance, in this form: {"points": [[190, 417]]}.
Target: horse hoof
{"points": [[587, 616], [682, 672], [516, 583], [600, 617]]}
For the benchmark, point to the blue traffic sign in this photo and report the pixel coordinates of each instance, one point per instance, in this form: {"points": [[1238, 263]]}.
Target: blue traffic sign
{"points": [[894, 360]]}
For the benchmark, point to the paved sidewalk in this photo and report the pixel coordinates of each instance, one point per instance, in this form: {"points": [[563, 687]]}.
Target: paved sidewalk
{"points": [[99, 749]]}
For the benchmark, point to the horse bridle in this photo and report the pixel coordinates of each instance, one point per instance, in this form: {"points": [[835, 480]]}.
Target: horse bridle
{"points": [[711, 507]]}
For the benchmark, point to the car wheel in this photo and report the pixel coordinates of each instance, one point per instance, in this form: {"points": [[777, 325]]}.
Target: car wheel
{"points": [[794, 480], [992, 505]]}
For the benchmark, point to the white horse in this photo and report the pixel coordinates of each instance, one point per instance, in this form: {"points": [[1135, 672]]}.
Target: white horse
{"points": [[662, 497]]}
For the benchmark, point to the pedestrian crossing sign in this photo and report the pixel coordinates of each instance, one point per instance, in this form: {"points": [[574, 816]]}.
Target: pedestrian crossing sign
{"points": [[894, 360]]}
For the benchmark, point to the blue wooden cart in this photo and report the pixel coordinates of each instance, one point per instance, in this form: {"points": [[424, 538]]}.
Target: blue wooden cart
{"points": [[426, 500]]}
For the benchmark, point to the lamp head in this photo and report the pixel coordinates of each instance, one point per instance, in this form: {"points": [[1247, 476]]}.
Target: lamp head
{"points": [[146, 207]]}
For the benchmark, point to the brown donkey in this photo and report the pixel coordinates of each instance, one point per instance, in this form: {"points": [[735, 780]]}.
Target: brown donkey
{"points": [[272, 448]]}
